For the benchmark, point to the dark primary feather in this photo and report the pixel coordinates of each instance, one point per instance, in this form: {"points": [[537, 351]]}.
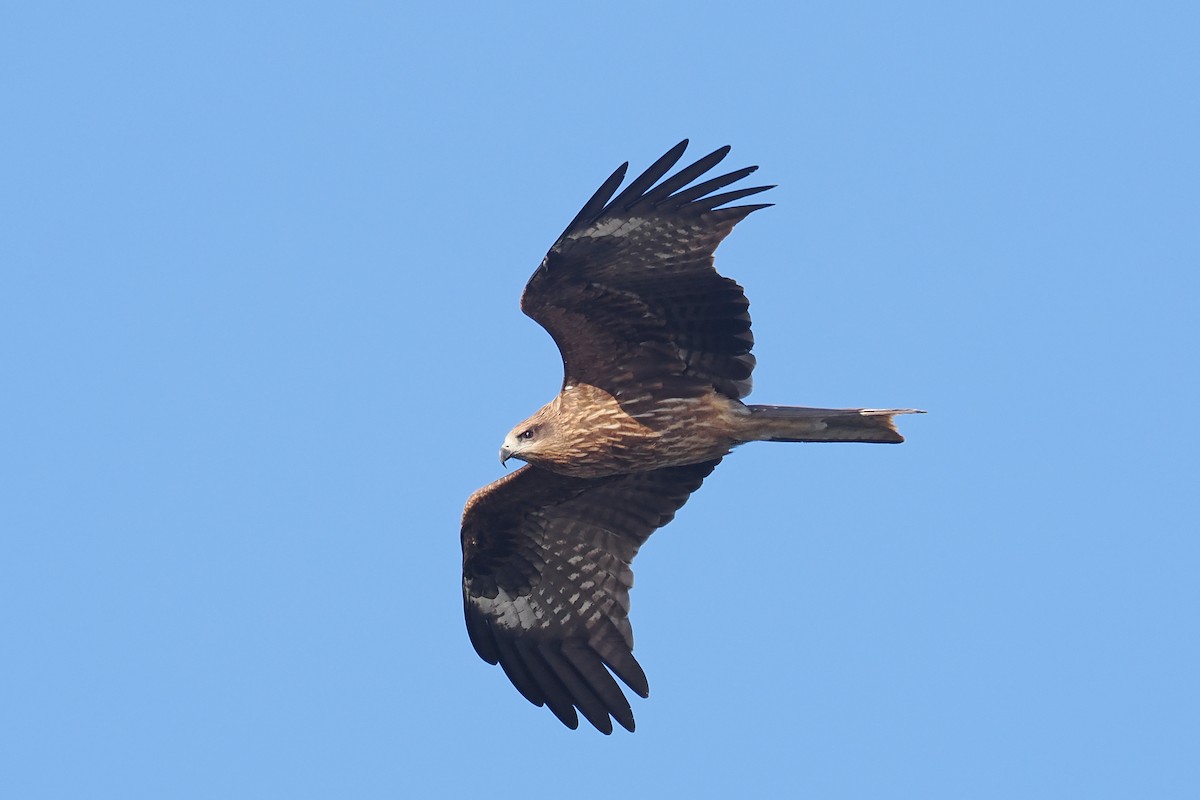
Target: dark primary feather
{"points": [[629, 289], [546, 579], [632, 193]]}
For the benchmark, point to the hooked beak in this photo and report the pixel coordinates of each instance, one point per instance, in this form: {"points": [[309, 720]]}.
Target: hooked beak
{"points": [[505, 454]]}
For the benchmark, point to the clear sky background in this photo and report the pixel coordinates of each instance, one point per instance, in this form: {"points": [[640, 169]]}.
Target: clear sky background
{"points": [[259, 340]]}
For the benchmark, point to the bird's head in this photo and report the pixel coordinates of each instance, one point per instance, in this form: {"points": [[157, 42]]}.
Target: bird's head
{"points": [[527, 441]]}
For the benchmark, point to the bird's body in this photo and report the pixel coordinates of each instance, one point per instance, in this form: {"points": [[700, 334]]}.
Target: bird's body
{"points": [[586, 432], [656, 357]]}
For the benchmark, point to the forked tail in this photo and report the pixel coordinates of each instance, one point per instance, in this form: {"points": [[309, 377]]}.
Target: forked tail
{"points": [[796, 424]]}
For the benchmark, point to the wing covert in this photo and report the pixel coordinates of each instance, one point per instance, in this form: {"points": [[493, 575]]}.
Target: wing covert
{"points": [[629, 291], [546, 579]]}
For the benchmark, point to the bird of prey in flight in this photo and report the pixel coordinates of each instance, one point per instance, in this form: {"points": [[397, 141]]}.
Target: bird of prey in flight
{"points": [[656, 359]]}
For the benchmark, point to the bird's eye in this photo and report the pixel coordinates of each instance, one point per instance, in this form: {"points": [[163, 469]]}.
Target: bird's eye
{"points": [[528, 434]]}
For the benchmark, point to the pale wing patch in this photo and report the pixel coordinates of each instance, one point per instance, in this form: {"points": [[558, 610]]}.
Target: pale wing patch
{"points": [[609, 227], [511, 612]]}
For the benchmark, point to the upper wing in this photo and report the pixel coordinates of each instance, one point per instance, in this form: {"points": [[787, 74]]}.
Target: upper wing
{"points": [[629, 291], [546, 581]]}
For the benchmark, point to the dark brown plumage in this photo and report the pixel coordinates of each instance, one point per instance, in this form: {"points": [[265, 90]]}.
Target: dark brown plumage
{"points": [[546, 581], [656, 358]]}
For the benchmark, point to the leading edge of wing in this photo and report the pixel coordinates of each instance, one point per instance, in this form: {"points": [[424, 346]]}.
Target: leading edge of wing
{"points": [[669, 194]]}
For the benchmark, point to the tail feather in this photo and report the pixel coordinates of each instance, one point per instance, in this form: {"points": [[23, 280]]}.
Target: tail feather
{"points": [[796, 424]]}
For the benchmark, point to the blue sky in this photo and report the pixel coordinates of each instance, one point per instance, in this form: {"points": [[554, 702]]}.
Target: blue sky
{"points": [[259, 271]]}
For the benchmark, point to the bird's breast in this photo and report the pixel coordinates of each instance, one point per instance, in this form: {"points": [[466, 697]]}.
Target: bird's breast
{"points": [[607, 435]]}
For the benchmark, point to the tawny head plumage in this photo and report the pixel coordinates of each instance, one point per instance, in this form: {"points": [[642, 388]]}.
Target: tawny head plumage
{"points": [[533, 438]]}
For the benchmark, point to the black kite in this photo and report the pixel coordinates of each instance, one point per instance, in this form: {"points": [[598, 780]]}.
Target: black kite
{"points": [[656, 358]]}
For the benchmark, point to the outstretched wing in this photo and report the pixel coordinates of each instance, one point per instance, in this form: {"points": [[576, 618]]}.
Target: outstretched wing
{"points": [[629, 291], [546, 581]]}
